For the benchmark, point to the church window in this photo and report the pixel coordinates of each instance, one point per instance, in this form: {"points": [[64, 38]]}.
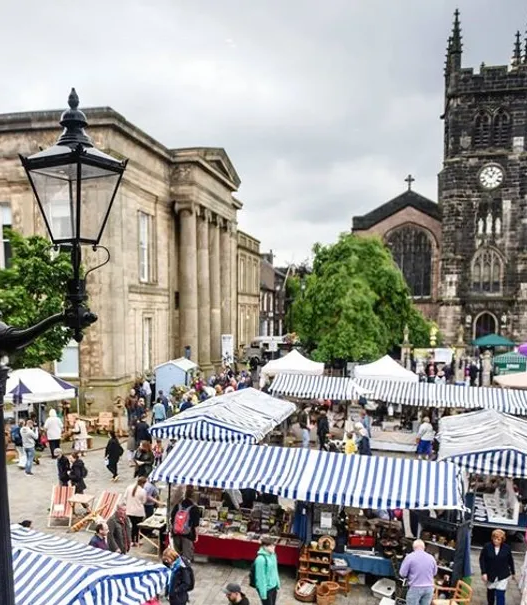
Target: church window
{"points": [[487, 272], [482, 130], [501, 129], [411, 248]]}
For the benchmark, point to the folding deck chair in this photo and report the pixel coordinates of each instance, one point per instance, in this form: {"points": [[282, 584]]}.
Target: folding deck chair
{"points": [[60, 508], [105, 506]]}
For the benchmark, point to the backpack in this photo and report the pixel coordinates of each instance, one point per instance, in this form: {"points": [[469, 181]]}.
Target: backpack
{"points": [[84, 472], [252, 573], [190, 574], [16, 436], [181, 525]]}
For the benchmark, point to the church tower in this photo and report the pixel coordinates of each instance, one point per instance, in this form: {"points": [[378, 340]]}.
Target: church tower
{"points": [[483, 196]]}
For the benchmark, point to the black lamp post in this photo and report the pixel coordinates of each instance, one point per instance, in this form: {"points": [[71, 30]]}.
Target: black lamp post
{"points": [[75, 185]]}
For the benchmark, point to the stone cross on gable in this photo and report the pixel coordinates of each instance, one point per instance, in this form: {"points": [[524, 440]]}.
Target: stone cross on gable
{"points": [[409, 179]]}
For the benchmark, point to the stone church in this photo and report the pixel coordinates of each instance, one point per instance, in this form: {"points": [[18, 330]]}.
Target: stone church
{"points": [[465, 257]]}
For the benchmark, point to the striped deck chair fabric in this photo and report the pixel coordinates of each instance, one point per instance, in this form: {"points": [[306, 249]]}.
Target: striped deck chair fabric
{"points": [[60, 507], [105, 506]]}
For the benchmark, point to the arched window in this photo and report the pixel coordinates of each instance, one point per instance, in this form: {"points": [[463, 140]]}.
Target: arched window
{"points": [[501, 129], [412, 251], [487, 271], [485, 324], [481, 136]]}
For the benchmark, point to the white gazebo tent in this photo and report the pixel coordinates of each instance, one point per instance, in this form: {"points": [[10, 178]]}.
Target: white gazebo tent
{"points": [[385, 368], [518, 380], [293, 363]]}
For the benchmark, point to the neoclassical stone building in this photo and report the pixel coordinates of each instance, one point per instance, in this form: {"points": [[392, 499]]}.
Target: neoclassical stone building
{"points": [[248, 289], [172, 235]]}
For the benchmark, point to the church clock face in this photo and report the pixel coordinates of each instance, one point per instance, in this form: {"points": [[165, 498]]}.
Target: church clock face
{"points": [[491, 176]]}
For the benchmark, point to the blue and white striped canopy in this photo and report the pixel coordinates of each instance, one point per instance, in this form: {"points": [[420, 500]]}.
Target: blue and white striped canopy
{"points": [[302, 386], [244, 416], [485, 442], [316, 476], [49, 570], [511, 401]]}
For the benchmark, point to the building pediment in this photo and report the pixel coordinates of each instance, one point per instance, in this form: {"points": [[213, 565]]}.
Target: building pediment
{"points": [[213, 159], [408, 199]]}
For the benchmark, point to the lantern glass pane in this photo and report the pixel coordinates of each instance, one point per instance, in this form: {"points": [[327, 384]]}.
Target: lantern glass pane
{"points": [[98, 187], [56, 189]]}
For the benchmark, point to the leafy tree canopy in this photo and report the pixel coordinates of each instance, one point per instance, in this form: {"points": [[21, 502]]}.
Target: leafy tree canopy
{"points": [[31, 289], [355, 303]]}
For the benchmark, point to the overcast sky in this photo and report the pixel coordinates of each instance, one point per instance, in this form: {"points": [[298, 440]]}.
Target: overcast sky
{"points": [[324, 106]]}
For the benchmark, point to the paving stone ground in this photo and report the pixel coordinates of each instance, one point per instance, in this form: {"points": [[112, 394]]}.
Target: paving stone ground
{"points": [[30, 497]]}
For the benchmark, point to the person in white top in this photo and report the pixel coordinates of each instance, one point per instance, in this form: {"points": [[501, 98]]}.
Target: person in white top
{"points": [[80, 437], [53, 427], [425, 438]]}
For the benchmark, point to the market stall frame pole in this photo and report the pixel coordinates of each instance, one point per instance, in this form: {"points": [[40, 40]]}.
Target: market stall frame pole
{"points": [[64, 168]]}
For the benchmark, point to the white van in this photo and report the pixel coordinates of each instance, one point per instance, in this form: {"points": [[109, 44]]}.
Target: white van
{"points": [[259, 347]]}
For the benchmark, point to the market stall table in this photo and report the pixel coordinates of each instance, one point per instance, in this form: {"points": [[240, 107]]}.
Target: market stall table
{"points": [[245, 550], [86, 500], [367, 563], [155, 523]]}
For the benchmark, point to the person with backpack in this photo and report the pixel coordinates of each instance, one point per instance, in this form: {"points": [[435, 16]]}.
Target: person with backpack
{"points": [[184, 519], [181, 580], [264, 572], [16, 438], [78, 473]]}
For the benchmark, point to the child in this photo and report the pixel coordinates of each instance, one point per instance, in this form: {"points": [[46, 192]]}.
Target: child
{"points": [[350, 446], [157, 450]]}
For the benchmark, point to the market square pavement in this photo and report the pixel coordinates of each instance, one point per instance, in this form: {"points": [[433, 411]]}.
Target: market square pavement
{"points": [[30, 497]]}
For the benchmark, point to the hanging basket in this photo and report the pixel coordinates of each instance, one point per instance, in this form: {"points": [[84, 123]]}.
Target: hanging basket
{"points": [[306, 591]]}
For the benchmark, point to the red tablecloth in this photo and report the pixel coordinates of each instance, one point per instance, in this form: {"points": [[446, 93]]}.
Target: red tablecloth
{"points": [[230, 548]]}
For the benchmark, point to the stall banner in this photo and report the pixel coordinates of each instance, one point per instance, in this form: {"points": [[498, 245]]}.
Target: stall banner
{"points": [[227, 348]]}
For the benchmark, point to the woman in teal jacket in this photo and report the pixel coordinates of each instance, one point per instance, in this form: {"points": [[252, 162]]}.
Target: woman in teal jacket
{"points": [[266, 572]]}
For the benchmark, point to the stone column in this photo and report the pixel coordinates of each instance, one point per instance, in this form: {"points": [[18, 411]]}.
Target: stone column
{"points": [[215, 292], [225, 273], [188, 279], [204, 291], [234, 286], [486, 368]]}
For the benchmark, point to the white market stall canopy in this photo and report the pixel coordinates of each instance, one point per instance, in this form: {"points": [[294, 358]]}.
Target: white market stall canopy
{"points": [[424, 394], [316, 476], [316, 387], [385, 368], [293, 363], [36, 385], [485, 442], [518, 380], [244, 416], [49, 570]]}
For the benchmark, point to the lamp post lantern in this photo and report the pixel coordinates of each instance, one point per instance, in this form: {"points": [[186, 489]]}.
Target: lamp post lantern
{"points": [[75, 186]]}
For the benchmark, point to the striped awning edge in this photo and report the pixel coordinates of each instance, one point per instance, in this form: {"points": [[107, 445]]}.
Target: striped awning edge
{"points": [[49, 570], [302, 386], [316, 476]]}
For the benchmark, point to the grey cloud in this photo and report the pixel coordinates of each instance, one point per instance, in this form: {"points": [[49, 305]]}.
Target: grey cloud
{"points": [[323, 107]]}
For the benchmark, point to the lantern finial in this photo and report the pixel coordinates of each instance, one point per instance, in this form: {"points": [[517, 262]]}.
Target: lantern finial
{"points": [[74, 122], [73, 99]]}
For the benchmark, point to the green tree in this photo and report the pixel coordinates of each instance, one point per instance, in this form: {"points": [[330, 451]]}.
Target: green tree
{"points": [[31, 289], [356, 303]]}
